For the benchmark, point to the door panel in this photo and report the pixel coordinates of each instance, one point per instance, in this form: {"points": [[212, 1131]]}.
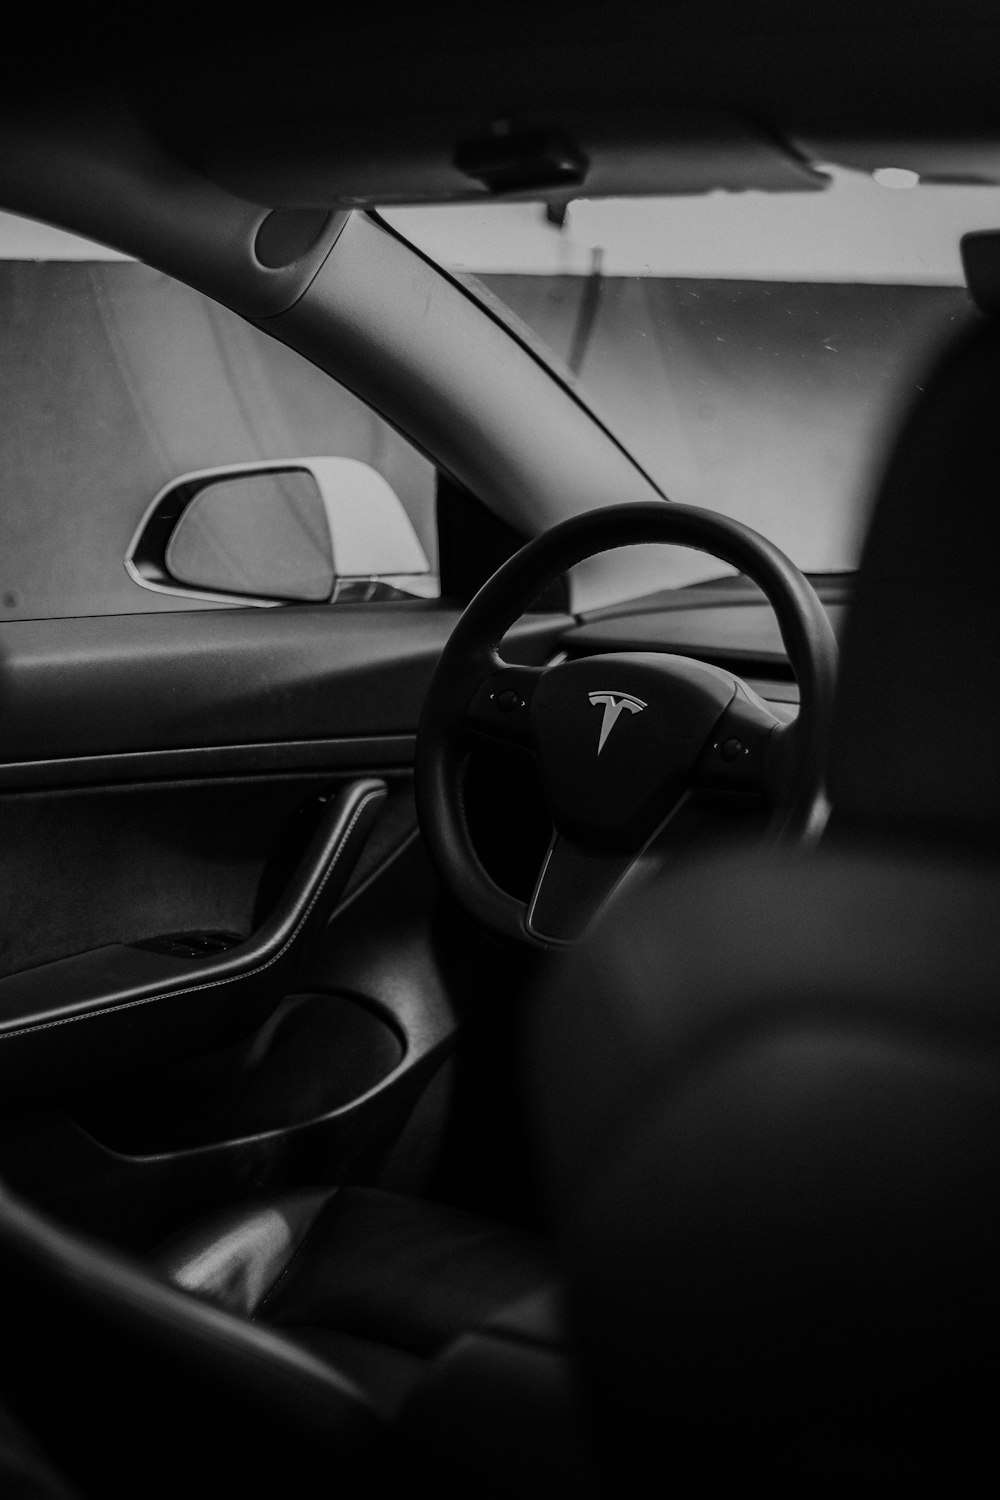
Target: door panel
{"points": [[245, 690], [162, 774], [125, 1005], [78, 871]]}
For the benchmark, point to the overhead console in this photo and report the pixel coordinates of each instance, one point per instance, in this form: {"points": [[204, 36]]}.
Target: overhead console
{"points": [[447, 103], [560, 152], [450, 103]]}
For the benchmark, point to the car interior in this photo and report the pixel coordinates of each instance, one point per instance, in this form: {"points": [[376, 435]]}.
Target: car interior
{"points": [[497, 988]]}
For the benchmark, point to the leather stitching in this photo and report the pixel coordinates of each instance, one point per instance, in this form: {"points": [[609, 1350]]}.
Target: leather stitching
{"points": [[296, 1256], [210, 984]]}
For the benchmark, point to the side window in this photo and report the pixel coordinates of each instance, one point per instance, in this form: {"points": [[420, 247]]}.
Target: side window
{"points": [[115, 382]]}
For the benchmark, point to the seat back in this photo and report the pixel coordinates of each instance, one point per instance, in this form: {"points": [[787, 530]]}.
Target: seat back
{"points": [[770, 1091]]}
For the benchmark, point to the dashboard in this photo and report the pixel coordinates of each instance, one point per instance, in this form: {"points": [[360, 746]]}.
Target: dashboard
{"points": [[728, 623]]}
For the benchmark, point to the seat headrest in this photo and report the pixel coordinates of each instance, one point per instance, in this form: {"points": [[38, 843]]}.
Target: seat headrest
{"points": [[916, 744]]}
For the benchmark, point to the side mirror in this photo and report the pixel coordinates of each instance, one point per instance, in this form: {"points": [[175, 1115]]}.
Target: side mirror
{"points": [[305, 530]]}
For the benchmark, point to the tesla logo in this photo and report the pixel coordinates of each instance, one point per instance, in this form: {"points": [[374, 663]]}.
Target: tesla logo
{"points": [[613, 703]]}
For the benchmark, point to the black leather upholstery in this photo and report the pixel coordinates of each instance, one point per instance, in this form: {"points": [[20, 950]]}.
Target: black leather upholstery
{"points": [[314, 1316], [234, 1257], [918, 716], [24, 1473], [779, 1200], [373, 1283], [451, 1325], [771, 1090], [497, 1414], [119, 1375]]}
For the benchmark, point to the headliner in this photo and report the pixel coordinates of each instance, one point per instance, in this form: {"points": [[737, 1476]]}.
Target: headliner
{"points": [[683, 97]]}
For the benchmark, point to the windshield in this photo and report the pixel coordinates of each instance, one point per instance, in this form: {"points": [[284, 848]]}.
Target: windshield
{"points": [[751, 350]]}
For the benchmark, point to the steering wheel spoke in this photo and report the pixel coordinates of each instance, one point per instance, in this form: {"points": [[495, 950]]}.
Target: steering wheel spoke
{"points": [[738, 755], [500, 706], [572, 886]]}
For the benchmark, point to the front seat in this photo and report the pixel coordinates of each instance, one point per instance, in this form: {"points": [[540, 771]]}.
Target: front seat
{"points": [[769, 1092], [315, 1315]]}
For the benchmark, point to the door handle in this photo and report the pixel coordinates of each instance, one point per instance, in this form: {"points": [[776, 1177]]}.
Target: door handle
{"points": [[93, 1015]]}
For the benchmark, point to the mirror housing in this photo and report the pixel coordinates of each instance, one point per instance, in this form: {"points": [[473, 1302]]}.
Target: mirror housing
{"points": [[305, 530]]}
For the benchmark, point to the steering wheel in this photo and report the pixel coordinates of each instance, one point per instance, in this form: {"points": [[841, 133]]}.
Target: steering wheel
{"points": [[621, 739]]}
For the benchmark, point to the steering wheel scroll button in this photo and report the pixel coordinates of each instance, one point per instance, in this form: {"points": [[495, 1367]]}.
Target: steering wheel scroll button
{"points": [[735, 756], [499, 705]]}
